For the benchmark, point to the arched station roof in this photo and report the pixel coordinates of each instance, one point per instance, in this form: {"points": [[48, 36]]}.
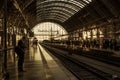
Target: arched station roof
{"points": [[64, 7], [71, 14]]}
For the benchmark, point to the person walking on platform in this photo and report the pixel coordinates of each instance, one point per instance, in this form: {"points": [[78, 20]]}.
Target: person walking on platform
{"points": [[35, 41], [20, 53]]}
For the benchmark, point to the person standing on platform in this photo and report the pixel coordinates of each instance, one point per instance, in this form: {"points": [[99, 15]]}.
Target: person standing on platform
{"points": [[35, 41], [21, 53]]}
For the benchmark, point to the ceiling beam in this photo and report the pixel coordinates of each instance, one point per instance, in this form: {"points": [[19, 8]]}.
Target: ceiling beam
{"points": [[15, 3], [29, 2]]}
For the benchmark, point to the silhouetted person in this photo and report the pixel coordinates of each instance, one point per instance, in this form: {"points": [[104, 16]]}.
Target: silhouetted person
{"points": [[35, 41], [22, 46]]}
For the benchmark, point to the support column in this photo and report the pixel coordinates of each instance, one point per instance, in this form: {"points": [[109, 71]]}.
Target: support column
{"points": [[14, 40], [5, 35], [98, 33]]}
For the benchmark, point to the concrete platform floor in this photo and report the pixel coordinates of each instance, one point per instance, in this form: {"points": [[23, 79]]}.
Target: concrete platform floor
{"points": [[39, 65]]}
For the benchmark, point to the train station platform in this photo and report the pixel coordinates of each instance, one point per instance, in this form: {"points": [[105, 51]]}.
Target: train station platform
{"points": [[39, 65]]}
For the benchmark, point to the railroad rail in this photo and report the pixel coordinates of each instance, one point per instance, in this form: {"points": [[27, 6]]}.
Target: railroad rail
{"points": [[98, 55], [81, 70]]}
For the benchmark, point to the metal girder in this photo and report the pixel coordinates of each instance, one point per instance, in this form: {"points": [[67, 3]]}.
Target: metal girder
{"points": [[61, 4], [16, 19], [73, 3], [99, 9], [19, 22], [112, 5], [31, 8], [27, 4], [79, 2], [56, 18], [69, 7], [65, 9], [54, 11], [95, 13], [61, 10], [15, 3], [53, 16]]}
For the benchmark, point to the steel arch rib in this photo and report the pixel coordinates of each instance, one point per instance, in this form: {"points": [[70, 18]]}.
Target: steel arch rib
{"points": [[53, 14], [48, 16], [71, 7], [54, 11], [72, 3]]}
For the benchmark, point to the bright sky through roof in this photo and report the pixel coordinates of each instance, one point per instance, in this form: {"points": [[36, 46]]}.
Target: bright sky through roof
{"points": [[46, 30]]}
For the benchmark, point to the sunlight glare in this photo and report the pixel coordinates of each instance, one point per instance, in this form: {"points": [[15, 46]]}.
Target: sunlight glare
{"points": [[48, 30]]}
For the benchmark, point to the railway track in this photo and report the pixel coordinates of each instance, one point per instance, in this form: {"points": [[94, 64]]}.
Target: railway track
{"points": [[109, 60], [81, 70]]}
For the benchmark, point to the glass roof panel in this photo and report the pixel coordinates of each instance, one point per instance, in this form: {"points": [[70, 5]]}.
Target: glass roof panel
{"points": [[54, 11], [61, 5], [60, 18], [68, 7]]}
